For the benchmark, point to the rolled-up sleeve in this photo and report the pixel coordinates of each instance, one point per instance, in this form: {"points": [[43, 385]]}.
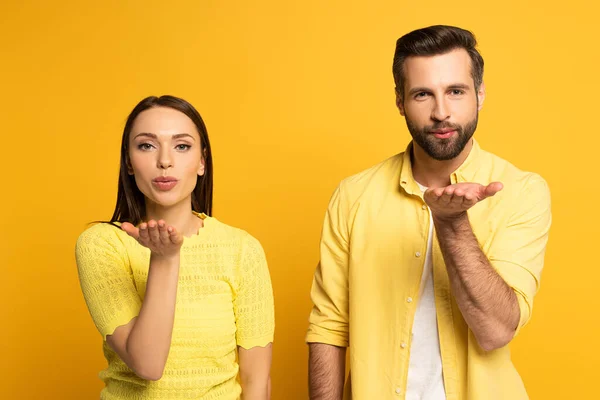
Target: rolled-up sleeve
{"points": [[518, 253], [328, 321]]}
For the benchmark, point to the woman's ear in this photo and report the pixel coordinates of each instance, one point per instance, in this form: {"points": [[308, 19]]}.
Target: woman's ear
{"points": [[129, 167], [202, 167]]}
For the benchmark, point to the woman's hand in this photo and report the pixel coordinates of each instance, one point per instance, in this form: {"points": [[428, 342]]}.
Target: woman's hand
{"points": [[162, 240]]}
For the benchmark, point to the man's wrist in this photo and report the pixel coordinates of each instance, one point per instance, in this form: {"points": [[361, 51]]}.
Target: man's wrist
{"points": [[452, 222]]}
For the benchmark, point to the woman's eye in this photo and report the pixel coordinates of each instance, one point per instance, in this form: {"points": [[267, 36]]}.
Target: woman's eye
{"points": [[182, 147], [145, 146]]}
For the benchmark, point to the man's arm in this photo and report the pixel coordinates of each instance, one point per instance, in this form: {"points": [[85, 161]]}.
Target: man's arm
{"points": [[487, 303], [328, 332], [326, 371], [495, 291]]}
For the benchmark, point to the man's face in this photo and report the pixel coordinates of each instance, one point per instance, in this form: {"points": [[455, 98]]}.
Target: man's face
{"points": [[441, 104]]}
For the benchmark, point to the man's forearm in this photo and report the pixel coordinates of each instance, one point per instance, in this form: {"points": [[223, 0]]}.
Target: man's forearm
{"points": [[488, 304], [327, 370]]}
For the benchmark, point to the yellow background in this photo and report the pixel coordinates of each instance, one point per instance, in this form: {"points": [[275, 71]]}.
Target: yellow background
{"points": [[296, 96]]}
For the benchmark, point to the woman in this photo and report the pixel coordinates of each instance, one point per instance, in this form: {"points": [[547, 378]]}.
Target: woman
{"points": [[175, 293]]}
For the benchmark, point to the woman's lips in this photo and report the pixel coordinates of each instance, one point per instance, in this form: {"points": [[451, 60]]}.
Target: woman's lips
{"points": [[164, 183]]}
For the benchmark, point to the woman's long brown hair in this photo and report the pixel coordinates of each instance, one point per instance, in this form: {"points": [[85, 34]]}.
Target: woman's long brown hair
{"points": [[131, 205]]}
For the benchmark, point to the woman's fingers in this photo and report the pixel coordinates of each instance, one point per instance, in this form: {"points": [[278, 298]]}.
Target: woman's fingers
{"points": [[174, 236], [144, 237], [153, 232], [159, 237], [130, 230], [162, 232]]}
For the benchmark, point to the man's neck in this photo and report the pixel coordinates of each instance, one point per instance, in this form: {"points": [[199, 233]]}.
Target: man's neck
{"points": [[433, 173]]}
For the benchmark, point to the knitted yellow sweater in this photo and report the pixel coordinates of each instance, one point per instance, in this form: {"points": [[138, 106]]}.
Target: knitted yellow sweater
{"points": [[224, 300]]}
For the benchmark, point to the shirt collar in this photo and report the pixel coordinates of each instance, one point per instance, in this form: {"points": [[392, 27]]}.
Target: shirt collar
{"points": [[464, 173]]}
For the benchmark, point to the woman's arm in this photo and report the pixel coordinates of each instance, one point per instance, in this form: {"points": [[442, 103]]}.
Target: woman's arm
{"points": [[255, 321], [255, 366], [143, 344]]}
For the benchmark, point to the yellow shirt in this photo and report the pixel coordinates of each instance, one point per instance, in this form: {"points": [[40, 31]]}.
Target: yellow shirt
{"points": [[365, 289], [224, 300]]}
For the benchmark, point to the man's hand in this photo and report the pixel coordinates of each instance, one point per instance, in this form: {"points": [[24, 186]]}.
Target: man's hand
{"points": [[452, 201]]}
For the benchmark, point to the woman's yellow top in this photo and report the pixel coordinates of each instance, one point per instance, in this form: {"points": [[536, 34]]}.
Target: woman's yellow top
{"points": [[224, 300]]}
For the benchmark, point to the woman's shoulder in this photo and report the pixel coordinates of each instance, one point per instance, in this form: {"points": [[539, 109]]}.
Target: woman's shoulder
{"points": [[101, 235], [228, 232], [100, 230]]}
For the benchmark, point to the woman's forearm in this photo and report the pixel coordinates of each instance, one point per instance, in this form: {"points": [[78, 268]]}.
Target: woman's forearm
{"points": [[150, 338]]}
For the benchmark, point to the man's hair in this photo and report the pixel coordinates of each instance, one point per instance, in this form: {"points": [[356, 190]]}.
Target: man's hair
{"points": [[432, 41]]}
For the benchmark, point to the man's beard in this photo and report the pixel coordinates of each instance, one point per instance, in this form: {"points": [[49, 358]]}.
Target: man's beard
{"points": [[443, 149]]}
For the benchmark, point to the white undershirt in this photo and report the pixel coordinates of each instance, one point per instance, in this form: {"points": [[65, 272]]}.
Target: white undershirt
{"points": [[425, 380]]}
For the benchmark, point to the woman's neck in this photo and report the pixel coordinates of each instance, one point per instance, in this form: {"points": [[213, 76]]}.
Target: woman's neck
{"points": [[179, 216]]}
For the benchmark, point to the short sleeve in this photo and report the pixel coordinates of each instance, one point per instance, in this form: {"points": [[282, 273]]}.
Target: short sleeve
{"points": [[518, 251], [328, 321], [106, 278], [253, 301]]}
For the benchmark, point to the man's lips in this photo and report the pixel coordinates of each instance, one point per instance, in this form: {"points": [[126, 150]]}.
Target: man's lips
{"points": [[443, 133], [444, 130]]}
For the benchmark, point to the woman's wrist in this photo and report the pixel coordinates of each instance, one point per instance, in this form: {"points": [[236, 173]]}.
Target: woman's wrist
{"points": [[165, 261]]}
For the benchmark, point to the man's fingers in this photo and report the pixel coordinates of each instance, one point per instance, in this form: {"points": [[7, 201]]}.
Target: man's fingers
{"points": [[430, 196], [457, 198], [447, 194], [470, 199], [493, 188]]}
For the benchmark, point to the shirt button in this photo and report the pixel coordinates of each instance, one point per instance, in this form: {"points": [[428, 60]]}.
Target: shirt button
{"points": [[403, 345], [424, 207], [409, 299], [418, 254], [398, 390]]}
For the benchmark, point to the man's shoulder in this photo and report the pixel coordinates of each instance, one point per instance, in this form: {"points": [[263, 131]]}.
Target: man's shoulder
{"points": [[381, 172], [517, 181], [373, 181]]}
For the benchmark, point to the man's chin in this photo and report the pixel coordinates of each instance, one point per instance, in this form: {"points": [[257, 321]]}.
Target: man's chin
{"points": [[443, 152]]}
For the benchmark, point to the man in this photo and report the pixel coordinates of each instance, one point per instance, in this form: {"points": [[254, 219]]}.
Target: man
{"points": [[431, 259]]}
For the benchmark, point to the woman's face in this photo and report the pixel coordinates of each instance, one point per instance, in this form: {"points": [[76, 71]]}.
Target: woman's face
{"points": [[165, 156]]}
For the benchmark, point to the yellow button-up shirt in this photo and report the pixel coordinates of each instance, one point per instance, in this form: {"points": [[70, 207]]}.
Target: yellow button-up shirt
{"points": [[366, 287]]}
